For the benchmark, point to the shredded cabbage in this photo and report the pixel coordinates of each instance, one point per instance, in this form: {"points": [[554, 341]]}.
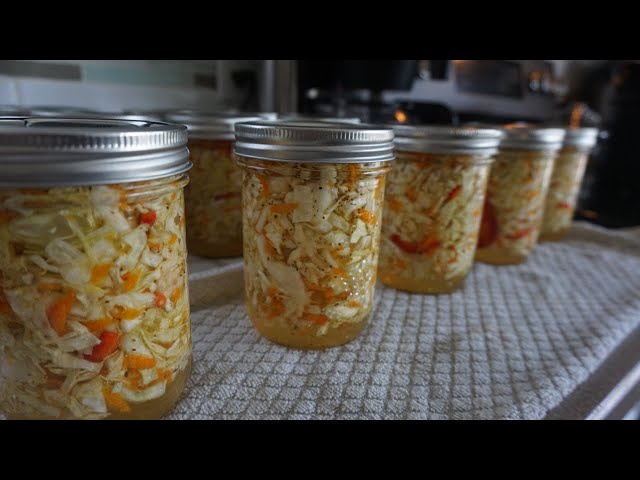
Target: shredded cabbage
{"points": [[214, 213], [94, 310], [432, 216], [513, 210], [311, 237], [566, 179]]}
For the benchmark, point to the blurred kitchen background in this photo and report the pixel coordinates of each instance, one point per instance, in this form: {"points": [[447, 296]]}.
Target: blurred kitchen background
{"points": [[601, 93]]}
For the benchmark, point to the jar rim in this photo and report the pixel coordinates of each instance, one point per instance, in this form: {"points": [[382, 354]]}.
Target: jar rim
{"points": [[69, 151], [314, 142]]}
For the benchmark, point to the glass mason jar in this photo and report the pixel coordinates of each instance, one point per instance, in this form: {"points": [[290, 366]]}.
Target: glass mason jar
{"points": [[566, 180], [434, 198], [312, 197], [214, 211], [94, 304], [516, 192]]}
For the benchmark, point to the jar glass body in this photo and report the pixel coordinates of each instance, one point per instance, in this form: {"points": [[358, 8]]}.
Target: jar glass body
{"points": [[311, 240], [214, 212], [514, 205], [94, 304], [560, 205], [431, 222]]}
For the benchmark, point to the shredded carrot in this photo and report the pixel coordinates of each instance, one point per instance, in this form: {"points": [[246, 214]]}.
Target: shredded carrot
{"points": [[326, 292], [130, 280], [531, 194], [394, 204], [167, 344], [397, 262], [424, 160], [354, 304], [108, 344], [265, 185], [276, 308], [173, 239], [149, 217], [563, 205], [315, 318], [139, 362], [519, 234], [411, 194], [379, 188], [32, 191], [98, 326], [225, 195], [115, 401], [5, 216], [99, 272], [366, 216], [453, 193], [121, 313], [271, 250], [160, 300], [342, 295], [354, 172], [429, 245], [46, 286], [53, 381], [155, 247], [284, 207], [58, 312], [164, 374], [341, 272], [134, 378], [175, 295], [4, 304]]}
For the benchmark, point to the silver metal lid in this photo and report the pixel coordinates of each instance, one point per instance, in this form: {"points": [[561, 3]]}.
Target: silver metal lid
{"points": [[581, 137], [209, 125], [115, 116], [447, 139], [314, 142], [49, 152], [313, 118], [524, 136], [262, 115], [13, 110], [56, 110]]}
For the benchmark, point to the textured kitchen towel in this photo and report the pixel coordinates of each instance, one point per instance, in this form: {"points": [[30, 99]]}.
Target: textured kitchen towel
{"points": [[511, 344], [515, 342]]}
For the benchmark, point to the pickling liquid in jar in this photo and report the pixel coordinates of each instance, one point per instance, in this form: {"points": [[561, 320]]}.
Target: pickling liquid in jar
{"points": [[566, 180], [213, 196], [94, 304], [311, 238], [433, 205]]}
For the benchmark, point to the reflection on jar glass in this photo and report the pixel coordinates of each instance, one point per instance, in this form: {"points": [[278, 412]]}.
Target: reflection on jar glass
{"points": [[516, 192], [434, 197], [566, 179], [214, 211], [94, 305], [312, 222]]}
